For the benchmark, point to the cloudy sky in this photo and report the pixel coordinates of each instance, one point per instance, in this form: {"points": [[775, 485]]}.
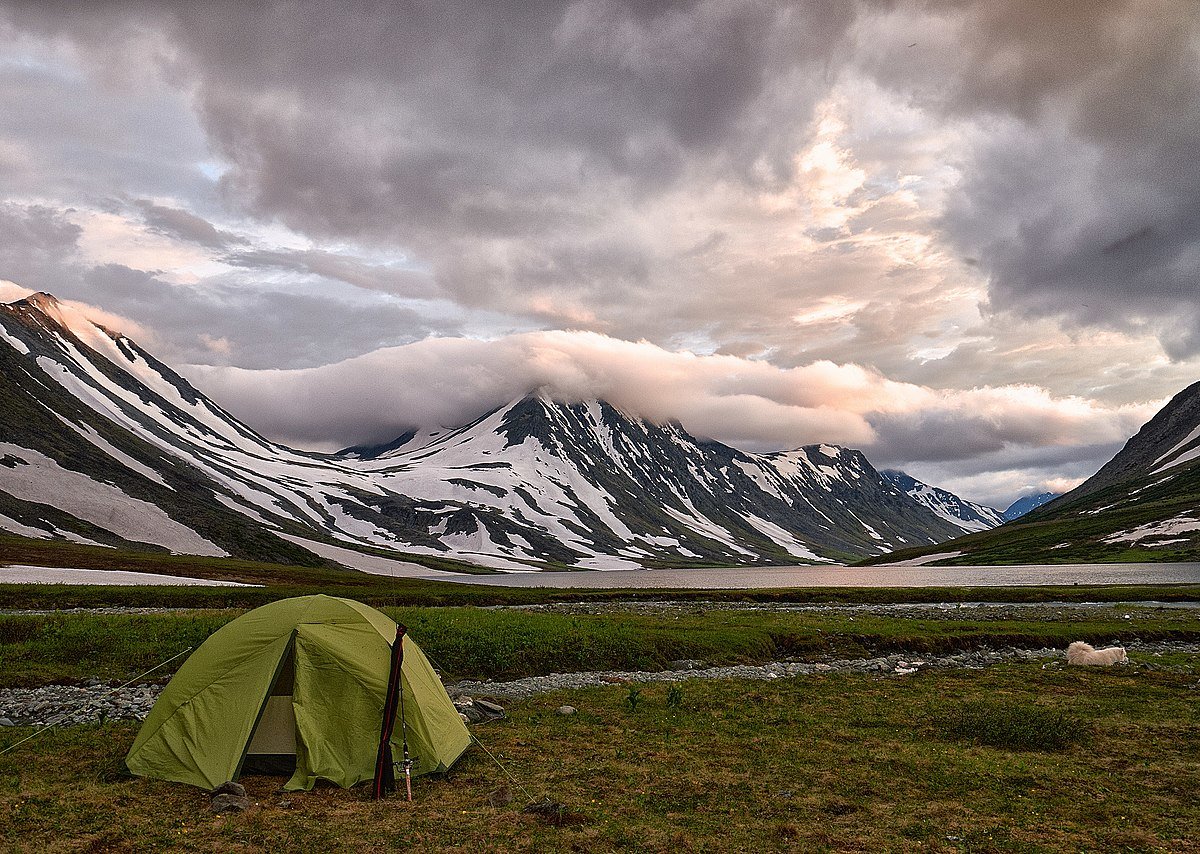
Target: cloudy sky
{"points": [[962, 237]]}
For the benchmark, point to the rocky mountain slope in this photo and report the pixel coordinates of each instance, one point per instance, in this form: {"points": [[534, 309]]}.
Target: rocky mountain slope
{"points": [[1143, 505], [101, 443], [964, 514]]}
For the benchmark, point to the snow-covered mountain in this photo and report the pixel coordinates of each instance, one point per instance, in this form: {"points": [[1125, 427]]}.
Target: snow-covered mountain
{"points": [[1143, 505], [102, 443], [966, 515], [1027, 504]]}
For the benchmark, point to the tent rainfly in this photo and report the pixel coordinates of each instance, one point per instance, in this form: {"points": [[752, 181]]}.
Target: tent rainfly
{"points": [[297, 686]]}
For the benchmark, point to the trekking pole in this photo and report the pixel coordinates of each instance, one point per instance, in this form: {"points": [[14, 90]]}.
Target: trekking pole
{"points": [[385, 768], [404, 734]]}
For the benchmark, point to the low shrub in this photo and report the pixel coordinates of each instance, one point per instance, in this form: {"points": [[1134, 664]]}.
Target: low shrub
{"points": [[1014, 726]]}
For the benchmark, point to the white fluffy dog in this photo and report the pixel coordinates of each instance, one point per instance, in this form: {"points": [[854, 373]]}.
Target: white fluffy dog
{"points": [[1084, 653]]}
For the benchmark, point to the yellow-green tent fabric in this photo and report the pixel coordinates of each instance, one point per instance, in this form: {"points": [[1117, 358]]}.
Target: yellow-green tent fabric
{"points": [[304, 678]]}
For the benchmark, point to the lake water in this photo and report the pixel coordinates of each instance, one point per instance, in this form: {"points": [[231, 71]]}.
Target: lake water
{"points": [[743, 578]]}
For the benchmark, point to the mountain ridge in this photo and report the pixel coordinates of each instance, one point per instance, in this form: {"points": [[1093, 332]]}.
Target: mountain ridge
{"points": [[1141, 506], [967, 515], [534, 484], [1027, 504]]}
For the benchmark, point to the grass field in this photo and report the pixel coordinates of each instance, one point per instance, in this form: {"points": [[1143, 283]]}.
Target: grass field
{"points": [[845, 762], [475, 643], [1013, 758]]}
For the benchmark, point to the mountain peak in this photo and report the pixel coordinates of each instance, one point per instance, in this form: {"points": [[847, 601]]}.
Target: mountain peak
{"points": [[43, 307], [958, 511], [42, 300]]}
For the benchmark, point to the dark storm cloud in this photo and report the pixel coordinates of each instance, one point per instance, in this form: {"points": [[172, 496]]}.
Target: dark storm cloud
{"points": [[65, 133], [37, 245], [989, 422], [1081, 201], [507, 143], [504, 143], [184, 225], [226, 320]]}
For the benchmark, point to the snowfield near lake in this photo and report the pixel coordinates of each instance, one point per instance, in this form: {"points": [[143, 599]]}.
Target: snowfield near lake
{"points": [[64, 575], [1164, 528]]}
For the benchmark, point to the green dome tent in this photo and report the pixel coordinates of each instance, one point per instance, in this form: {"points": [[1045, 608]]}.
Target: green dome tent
{"points": [[300, 682]]}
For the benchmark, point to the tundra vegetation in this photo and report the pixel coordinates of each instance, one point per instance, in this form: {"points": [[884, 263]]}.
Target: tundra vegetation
{"points": [[938, 760], [1016, 757]]}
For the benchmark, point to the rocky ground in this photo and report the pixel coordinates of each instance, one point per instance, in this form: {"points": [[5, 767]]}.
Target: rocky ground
{"points": [[897, 664], [95, 701], [980, 611]]}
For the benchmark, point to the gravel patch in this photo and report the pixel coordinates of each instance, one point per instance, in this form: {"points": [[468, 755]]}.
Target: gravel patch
{"points": [[978, 611], [95, 700], [64, 705], [897, 664]]}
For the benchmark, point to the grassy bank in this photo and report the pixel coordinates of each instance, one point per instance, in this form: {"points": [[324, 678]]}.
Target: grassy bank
{"points": [[375, 590], [279, 581], [477, 643], [835, 763]]}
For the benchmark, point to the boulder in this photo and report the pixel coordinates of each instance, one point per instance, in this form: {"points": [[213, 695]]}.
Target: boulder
{"points": [[230, 788], [229, 803], [491, 709], [565, 710]]}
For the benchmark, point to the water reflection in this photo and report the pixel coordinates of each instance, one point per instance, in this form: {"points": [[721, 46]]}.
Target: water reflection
{"points": [[742, 578]]}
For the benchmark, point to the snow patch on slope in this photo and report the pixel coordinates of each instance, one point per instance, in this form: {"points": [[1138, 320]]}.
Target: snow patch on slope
{"points": [[1180, 524], [43, 481]]}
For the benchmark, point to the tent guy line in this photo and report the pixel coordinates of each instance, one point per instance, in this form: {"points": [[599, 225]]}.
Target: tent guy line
{"points": [[67, 713]]}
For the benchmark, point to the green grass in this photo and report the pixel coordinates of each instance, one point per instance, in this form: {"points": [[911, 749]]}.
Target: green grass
{"points": [[837, 763], [279, 581], [475, 643], [1014, 726], [1083, 523]]}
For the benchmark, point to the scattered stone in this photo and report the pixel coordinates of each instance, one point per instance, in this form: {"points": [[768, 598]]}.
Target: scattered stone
{"points": [[85, 704], [883, 666], [230, 788], [229, 803], [464, 717], [552, 812], [491, 709], [285, 804], [565, 710]]}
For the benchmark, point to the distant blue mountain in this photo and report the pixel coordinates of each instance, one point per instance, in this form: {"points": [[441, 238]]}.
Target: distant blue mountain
{"points": [[1030, 502]]}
